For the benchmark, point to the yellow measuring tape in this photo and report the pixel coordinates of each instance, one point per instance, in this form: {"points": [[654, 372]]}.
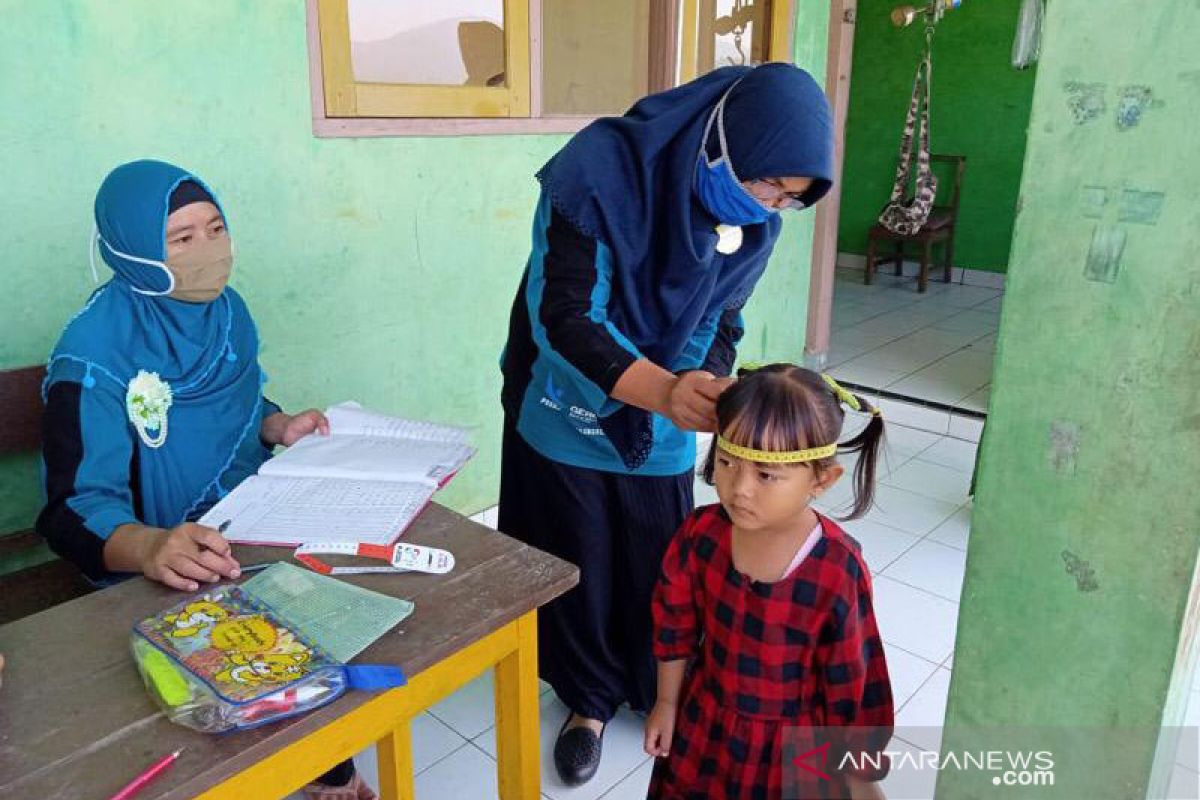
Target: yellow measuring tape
{"points": [[777, 456]]}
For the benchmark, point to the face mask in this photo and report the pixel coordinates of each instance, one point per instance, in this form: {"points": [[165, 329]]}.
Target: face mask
{"points": [[200, 273], [717, 184]]}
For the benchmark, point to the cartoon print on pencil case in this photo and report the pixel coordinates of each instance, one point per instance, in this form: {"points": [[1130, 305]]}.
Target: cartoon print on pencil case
{"points": [[195, 618], [246, 635], [254, 670]]}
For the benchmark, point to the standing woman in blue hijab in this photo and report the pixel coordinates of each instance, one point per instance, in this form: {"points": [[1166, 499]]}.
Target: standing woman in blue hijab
{"points": [[650, 234], [154, 403]]}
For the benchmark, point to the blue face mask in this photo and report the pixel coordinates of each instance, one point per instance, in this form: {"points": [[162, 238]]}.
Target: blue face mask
{"points": [[717, 184]]}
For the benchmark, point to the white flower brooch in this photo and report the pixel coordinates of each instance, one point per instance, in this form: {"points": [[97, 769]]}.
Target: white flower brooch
{"points": [[147, 401]]}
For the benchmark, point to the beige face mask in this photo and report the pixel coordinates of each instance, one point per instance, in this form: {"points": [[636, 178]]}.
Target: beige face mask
{"points": [[202, 272]]}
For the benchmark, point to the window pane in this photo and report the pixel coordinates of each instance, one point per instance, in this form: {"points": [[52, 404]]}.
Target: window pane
{"points": [[447, 43], [594, 55], [733, 33]]}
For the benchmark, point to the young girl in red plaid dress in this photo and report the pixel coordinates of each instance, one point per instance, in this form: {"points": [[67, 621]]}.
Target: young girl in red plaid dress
{"points": [[770, 666]]}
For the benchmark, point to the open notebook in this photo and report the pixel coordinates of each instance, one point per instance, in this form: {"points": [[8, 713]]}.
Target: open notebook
{"points": [[364, 483]]}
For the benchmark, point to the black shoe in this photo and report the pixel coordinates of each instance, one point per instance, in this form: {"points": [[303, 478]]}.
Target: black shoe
{"points": [[577, 753]]}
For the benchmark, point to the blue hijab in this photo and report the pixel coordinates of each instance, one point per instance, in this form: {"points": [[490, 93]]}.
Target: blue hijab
{"points": [[206, 352], [629, 182]]}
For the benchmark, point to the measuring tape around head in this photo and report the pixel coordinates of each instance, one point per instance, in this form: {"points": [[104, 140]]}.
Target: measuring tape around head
{"points": [[402, 557]]}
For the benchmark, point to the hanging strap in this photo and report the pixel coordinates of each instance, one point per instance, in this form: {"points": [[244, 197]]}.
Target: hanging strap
{"points": [[924, 171], [918, 107]]}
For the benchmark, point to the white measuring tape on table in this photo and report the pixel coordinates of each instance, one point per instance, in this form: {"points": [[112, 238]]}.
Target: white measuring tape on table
{"points": [[402, 557]]}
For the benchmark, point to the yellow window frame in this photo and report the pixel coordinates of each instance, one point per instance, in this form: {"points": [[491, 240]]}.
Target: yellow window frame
{"points": [[346, 97], [778, 49]]}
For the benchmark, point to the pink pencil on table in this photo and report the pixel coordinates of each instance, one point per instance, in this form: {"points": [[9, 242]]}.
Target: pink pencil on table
{"points": [[152, 772]]}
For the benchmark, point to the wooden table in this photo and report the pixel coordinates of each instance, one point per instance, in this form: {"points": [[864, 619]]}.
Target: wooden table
{"points": [[76, 722]]}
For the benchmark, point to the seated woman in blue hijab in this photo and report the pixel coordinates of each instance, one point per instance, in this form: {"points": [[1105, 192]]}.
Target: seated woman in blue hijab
{"points": [[154, 404], [650, 235]]}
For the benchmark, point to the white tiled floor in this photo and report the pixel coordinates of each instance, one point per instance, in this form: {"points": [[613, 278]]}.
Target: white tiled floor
{"points": [[915, 544], [937, 346]]}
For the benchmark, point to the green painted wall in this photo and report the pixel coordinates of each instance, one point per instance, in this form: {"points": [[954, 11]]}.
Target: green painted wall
{"points": [[980, 110], [1084, 536], [377, 269]]}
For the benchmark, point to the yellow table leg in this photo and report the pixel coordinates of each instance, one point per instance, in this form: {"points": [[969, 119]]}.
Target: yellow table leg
{"points": [[386, 718], [517, 740], [395, 763]]}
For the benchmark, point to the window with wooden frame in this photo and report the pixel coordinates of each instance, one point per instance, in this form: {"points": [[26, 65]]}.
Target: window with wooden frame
{"points": [[407, 67]]}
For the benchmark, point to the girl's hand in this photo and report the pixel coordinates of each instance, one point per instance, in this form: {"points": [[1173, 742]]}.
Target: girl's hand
{"points": [[186, 556], [660, 729], [692, 403], [286, 429]]}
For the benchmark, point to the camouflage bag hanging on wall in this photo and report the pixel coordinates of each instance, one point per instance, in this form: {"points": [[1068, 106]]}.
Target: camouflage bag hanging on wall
{"points": [[907, 216]]}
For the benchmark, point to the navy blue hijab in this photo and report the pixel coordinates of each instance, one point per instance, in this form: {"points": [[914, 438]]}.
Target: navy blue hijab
{"points": [[628, 182]]}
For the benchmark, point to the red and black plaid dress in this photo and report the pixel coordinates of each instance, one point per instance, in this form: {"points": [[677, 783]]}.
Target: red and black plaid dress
{"points": [[772, 663]]}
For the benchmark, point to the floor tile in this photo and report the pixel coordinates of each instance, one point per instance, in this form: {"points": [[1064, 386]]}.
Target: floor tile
{"points": [[937, 340], [910, 512], [840, 353], [881, 545], [914, 620], [951, 453], [468, 772], [967, 296], [851, 314], [622, 751], [984, 343], [904, 442], [920, 721], [962, 426], [948, 380], [988, 280], [432, 741], [907, 672], [1189, 750], [491, 517], [954, 531], [932, 480], [905, 355], [632, 786], [910, 333], [1184, 785], [977, 401], [901, 322], [935, 567], [971, 320], [471, 710], [906, 782], [912, 415], [992, 304], [854, 371]]}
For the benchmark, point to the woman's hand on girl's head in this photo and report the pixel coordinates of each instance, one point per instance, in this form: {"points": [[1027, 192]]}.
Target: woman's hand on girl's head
{"points": [[660, 729], [286, 429], [692, 404]]}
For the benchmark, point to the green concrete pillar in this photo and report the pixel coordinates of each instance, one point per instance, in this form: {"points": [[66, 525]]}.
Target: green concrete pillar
{"points": [[1087, 519]]}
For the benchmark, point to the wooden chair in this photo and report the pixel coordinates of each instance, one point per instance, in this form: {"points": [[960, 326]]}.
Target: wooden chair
{"points": [[939, 228], [48, 583]]}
